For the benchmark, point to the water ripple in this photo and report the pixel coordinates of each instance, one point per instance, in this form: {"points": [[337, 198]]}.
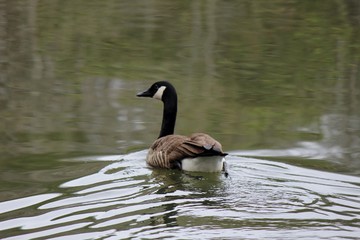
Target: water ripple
{"points": [[126, 199]]}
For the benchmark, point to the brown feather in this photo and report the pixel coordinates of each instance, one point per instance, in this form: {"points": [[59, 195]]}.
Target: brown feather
{"points": [[166, 151]]}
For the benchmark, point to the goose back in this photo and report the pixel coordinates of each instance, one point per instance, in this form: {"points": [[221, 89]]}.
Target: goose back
{"points": [[168, 151]]}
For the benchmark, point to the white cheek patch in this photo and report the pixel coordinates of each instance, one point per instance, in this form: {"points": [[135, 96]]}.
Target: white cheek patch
{"points": [[159, 93]]}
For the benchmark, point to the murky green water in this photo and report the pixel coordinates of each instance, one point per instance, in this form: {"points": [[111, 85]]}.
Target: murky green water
{"points": [[276, 82]]}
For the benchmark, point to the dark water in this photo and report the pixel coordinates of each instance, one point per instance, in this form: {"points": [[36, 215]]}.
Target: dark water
{"points": [[276, 82]]}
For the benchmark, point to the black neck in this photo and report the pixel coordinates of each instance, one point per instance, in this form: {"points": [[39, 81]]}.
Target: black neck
{"points": [[169, 115]]}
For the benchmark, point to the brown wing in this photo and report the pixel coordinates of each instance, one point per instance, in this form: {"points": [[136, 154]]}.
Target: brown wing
{"points": [[208, 145], [166, 152]]}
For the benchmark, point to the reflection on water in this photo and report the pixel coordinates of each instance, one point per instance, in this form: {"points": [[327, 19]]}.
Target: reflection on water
{"points": [[125, 199], [261, 75], [277, 82]]}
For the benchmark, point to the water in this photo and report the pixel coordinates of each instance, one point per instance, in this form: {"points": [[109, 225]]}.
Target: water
{"points": [[125, 199], [277, 83]]}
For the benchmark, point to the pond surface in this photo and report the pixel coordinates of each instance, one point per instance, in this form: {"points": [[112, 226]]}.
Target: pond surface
{"points": [[276, 82], [125, 199]]}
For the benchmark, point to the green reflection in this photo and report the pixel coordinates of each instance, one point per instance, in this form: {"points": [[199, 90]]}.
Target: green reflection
{"points": [[255, 74]]}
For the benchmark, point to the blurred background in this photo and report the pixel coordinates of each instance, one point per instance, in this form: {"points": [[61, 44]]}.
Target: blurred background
{"points": [[281, 77], [276, 82]]}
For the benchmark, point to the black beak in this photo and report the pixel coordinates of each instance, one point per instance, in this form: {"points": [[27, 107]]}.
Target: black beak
{"points": [[144, 94]]}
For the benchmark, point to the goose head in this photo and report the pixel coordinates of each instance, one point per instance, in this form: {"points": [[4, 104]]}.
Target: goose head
{"points": [[166, 93], [161, 90]]}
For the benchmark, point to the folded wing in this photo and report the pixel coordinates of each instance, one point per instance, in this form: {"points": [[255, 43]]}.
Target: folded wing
{"points": [[168, 151]]}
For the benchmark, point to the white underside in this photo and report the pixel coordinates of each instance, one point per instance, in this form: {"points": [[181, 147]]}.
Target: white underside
{"points": [[203, 164]]}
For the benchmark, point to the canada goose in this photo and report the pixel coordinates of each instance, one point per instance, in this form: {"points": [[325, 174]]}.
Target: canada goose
{"points": [[198, 152]]}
